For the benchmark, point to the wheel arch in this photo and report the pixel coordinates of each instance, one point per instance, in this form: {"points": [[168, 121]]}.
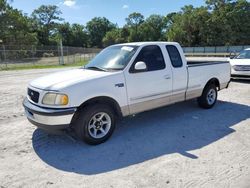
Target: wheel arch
{"points": [[214, 81], [103, 100]]}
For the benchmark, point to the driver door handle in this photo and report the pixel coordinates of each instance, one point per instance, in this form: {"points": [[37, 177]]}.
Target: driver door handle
{"points": [[167, 77]]}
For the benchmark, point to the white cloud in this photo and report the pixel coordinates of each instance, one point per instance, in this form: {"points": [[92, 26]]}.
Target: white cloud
{"points": [[125, 7], [69, 3]]}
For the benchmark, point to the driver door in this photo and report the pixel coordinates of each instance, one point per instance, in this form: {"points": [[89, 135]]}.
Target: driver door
{"points": [[152, 87]]}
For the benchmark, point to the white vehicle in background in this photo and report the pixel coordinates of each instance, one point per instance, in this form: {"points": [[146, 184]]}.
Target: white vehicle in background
{"points": [[241, 65], [122, 80]]}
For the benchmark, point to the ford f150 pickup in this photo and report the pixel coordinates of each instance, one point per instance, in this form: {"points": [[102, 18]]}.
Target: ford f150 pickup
{"points": [[121, 80]]}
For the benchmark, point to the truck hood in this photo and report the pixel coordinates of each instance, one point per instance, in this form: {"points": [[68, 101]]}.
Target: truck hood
{"points": [[63, 79], [240, 62]]}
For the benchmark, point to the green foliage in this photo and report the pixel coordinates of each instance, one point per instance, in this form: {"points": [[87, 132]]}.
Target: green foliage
{"points": [[220, 22], [217, 4], [116, 36], [229, 23], [97, 29], [15, 28], [134, 21], [71, 35], [80, 37], [45, 22], [190, 26], [153, 28]]}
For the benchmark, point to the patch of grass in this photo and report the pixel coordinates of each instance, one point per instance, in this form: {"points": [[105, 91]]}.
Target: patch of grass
{"points": [[40, 66]]}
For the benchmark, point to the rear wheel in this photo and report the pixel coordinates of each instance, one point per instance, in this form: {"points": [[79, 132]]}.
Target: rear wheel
{"points": [[209, 97], [95, 124]]}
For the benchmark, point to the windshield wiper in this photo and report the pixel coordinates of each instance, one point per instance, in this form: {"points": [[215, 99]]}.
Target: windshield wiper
{"points": [[114, 69], [96, 68]]}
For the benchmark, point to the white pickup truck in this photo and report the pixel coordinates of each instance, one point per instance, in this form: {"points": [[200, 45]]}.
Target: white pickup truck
{"points": [[121, 80]]}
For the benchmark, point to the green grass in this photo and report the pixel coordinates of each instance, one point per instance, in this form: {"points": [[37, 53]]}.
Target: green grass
{"points": [[40, 66]]}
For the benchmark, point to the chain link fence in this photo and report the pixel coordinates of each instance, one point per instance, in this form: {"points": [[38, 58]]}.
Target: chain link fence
{"points": [[214, 51], [21, 56], [44, 55]]}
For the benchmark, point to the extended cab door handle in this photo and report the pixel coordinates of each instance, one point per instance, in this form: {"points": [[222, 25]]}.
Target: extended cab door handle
{"points": [[167, 77]]}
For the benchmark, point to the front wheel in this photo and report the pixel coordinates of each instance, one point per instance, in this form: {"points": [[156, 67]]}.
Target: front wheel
{"points": [[95, 124], [209, 97]]}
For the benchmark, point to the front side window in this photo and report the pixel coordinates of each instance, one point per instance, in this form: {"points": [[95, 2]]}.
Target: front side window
{"points": [[152, 57], [174, 55], [112, 58]]}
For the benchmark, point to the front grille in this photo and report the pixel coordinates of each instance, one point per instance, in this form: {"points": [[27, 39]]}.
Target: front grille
{"points": [[33, 95], [241, 67]]}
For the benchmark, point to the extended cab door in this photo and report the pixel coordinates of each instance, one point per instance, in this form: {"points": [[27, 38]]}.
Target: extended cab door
{"points": [[179, 71], [152, 87]]}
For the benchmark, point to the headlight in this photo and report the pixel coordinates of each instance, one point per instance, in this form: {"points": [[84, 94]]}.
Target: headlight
{"points": [[55, 99]]}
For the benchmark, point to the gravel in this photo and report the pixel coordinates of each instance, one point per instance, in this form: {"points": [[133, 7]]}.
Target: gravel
{"points": [[175, 146]]}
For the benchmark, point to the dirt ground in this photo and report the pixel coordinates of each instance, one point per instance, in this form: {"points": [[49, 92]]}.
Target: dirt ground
{"points": [[176, 146]]}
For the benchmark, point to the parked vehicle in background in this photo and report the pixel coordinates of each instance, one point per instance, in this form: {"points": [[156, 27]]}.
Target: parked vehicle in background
{"points": [[241, 65], [122, 80]]}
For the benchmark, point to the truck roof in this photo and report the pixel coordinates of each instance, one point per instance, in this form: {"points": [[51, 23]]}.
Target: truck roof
{"points": [[148, 43]]}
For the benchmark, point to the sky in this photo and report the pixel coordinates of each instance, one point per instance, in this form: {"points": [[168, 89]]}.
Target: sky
{"points": [[82, 11]]}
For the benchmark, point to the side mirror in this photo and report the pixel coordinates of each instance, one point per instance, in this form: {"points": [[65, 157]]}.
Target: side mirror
{"points": [[140, 66], [232, 55]]}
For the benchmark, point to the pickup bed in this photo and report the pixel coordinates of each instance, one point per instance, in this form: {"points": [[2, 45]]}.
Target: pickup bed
{"points": [[121, 80]]}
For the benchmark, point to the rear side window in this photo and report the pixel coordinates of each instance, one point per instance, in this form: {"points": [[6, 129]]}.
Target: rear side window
{"points": [[174, 56], [152, 56]]}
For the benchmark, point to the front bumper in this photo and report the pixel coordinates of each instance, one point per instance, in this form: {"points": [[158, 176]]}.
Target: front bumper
{"points": [[50, 119], [240, 74], [237, 76]]}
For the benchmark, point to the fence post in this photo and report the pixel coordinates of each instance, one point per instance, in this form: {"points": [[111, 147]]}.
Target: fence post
{"points": [[227, 52], [4, 56], [80, 57], [33, 55], [84, 58], [58, 53], [68, 55], [61, 49], [0, 58]]}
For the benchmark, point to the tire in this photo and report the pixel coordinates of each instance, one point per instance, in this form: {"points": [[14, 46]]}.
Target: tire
{"points": [[209, 97], [95, 124]]}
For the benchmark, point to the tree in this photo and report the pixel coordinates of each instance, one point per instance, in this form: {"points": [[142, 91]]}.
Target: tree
{"points": [[97, 29], [220, 22], [229, 22], [80, 37], [190, 26], [64, 33], [71, 35], [116, 36], [45, 21], [134, 20], [15, 28], [153, 28], [216, 4], [239, 20]]}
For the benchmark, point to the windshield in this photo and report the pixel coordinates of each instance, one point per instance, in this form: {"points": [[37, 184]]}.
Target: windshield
{"points": [[245, 54], [112, 58]]}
